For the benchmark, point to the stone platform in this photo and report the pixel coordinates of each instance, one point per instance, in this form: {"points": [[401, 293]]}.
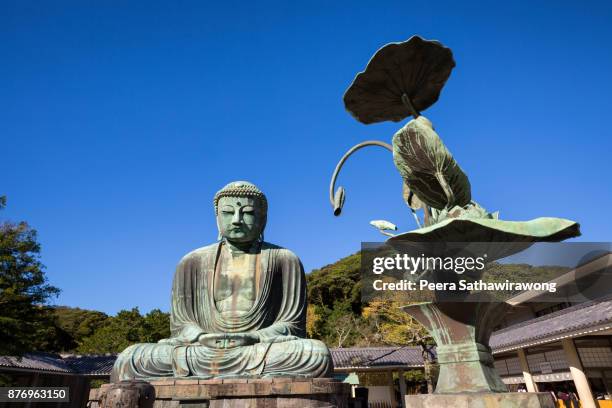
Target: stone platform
{"points": [[282, 392], [482, 400]]}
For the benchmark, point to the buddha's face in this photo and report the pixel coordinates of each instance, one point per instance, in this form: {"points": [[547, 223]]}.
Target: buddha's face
{"points": [[240, 219]]}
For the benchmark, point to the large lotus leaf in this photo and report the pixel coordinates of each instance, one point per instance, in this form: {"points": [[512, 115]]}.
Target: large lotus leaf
{"points": [[416, 67], [494, 232], [428, 167]]}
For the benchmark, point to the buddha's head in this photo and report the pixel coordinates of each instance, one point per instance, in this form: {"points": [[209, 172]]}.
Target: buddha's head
{"points": [[242, 210]]}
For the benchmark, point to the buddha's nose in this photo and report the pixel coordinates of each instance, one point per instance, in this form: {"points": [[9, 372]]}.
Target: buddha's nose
{"points": [[236, 218]]}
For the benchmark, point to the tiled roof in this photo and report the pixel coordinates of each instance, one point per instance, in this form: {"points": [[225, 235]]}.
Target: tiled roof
{"points": [[38, 362], [372, 357], [91, 364], [69, 364], [547, 327]]}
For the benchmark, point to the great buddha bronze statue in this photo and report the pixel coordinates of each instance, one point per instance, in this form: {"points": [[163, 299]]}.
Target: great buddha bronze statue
{"points": [[238, 306]]}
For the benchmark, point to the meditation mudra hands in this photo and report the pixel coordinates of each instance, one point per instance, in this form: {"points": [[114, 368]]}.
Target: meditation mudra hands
{"points": [[228, 340], [217, 340]]}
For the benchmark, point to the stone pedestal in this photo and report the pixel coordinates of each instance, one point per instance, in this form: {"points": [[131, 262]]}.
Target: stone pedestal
{"points": [[280, 392], [482, 400]]}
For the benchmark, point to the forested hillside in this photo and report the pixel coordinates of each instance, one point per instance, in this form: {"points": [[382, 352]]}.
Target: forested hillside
{"points": [[337, 316]]}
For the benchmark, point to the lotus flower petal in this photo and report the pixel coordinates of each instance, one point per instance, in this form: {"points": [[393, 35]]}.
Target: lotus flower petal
{"points": [[427, 166]]}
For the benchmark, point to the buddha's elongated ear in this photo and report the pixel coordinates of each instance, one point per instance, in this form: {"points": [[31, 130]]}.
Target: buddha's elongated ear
{"points": [[263, 208], [263, 228], [219, 236]]}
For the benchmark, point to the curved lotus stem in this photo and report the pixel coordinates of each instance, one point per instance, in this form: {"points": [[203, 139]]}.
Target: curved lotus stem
{"points": [[337, 199]]}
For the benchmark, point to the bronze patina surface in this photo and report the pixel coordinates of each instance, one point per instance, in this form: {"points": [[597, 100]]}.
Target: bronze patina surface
{"points": [[401, 80], [416, 69], [238, 306]]}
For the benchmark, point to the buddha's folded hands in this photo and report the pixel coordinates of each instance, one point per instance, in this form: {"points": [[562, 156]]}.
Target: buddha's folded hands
{"points": [[228, 340]]}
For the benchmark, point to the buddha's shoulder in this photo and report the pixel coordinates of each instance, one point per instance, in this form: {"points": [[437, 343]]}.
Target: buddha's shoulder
{"points": [[199, 253], [211, 250], [280, 251]]}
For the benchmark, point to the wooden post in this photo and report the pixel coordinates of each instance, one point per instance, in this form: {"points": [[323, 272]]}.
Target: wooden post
{"points": [[391, 387], [531, 385], [580, 379], [402, 384]]}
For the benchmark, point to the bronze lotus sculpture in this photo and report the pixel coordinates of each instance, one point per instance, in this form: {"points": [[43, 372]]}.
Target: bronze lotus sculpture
{"points": [[401, 80]]}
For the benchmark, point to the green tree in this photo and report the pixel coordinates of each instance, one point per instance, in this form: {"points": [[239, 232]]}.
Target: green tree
{"points": [[26, 324], [338, 283], [337, 316], [77, 324], [396, 327], [115, 335], [156, 326], [334, 302], [126, 328]]}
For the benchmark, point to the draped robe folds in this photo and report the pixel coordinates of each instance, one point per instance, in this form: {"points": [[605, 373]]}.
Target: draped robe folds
{"points": [[277, 317]]}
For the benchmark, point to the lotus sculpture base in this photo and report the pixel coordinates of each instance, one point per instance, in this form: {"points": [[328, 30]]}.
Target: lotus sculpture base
{"points": [[461, 332], [475, 400], [467, 376]]}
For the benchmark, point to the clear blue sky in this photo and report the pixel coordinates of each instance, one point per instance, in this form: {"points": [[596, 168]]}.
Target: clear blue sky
{"points": [[120, 120]]}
